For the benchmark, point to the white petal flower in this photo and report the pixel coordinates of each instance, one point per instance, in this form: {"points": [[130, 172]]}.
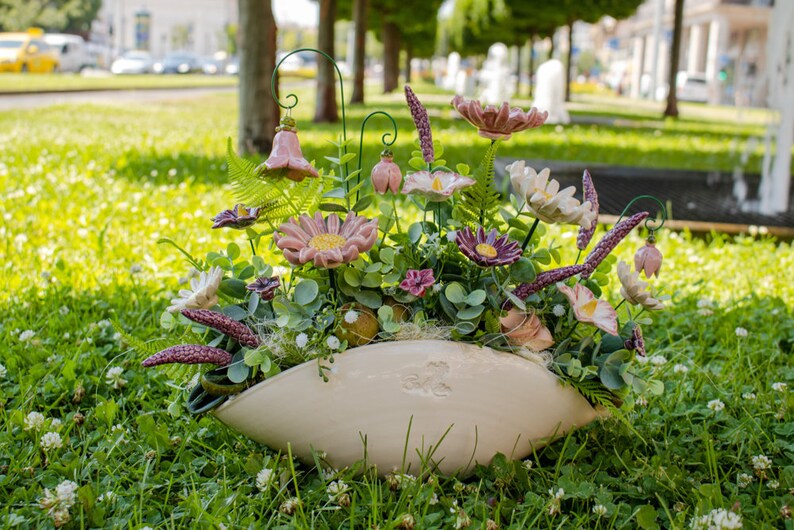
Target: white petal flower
{"points": [[332, 342], [680, 369], [743, 480], [779, 387], [26, 335], [716, 405], [114, 379], [718, 519], [740, 332], [34, 421], [264, 479], [658, 360], [761, 462], [600, 510], [634, 290], [51, 440], [202, 293], [351, 316], [749, 396], [301, 340], [546, 201]]}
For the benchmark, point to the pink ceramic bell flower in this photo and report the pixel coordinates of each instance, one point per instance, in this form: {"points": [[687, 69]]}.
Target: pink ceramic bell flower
{"points": [[498, 123], [526, 329], [329, 242], [417, 282], [587, 308], [386, 175], [648, 259], [286, 158], [435, 187]]}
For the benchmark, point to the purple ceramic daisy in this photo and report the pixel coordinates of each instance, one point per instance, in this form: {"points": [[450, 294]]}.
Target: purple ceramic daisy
{"points": [[237, 217], [265, 287], [416, 282], [488, 250]]}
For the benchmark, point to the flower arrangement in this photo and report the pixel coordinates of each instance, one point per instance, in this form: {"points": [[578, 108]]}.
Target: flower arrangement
{"points": [[437, 254]]}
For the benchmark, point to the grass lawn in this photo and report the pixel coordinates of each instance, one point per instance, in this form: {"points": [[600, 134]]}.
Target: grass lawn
{"points": [[46, 82], [88, 190]]}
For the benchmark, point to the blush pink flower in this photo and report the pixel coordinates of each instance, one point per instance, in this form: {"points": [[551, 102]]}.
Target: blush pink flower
{"points": [[589, 309], [435, 187], [327, 242], [386, 175], [498, 123], [526, 329], [648, 259], [286, 158], [416, 282]]}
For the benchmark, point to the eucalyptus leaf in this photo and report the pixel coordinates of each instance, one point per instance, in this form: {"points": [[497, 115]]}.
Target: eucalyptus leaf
{"points": [[418, 163], [306, 292], [370, 299], [332, 207], [522, 271], [362, 203], [470, 312], [475, 298], [233, 251], [235, 312], [238, 371], [455, 293], [415, 232], [352, 277]]}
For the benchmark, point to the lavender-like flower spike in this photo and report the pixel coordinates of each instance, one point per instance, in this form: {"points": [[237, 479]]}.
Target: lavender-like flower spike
{"points": [[190, 354], [590, 195], [236, 330], [419, 114], [610, 241], [544, 279]]}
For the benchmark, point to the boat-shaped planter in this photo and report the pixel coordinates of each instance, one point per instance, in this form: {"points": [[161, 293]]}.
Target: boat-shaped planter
{"points": [[406, 406]]}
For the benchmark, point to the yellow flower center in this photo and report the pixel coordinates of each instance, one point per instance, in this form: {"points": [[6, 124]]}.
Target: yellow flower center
{"points": [[486, 251], [589, 308], [327, 242], [437, 185], [241, 212]]}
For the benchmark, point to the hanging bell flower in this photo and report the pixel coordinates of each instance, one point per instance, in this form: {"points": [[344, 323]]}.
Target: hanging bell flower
{"points": [[648, 259], [286, 158], [386, 175]]}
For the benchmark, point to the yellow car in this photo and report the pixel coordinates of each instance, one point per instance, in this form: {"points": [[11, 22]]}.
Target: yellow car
{"points": [[27, 52]]}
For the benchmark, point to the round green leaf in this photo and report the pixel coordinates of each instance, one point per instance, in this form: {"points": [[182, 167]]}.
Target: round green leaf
{"points": [[306, 292], [455, 293]]}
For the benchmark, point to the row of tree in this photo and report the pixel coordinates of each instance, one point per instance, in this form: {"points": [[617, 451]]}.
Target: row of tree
{"points": [[70, 16]]}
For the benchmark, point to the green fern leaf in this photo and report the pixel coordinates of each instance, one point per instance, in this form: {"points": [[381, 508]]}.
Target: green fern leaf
{"points": [[480, 203]]}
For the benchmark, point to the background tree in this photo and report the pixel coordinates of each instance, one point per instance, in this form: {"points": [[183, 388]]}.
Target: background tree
{"points": [[325, 109], [671, 110], [360, 9], [259, 113], [73, 16]]}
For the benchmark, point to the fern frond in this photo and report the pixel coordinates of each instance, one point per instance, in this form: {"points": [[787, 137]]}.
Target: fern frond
{"points": [[595, 393], [145, 348], [480, 203]]}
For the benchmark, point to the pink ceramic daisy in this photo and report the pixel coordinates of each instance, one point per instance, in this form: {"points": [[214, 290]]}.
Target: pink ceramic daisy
{"points": [[498, 123]]}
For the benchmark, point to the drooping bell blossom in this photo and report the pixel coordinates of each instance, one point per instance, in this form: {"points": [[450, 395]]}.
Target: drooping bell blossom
{"points": [[329, 242], [636, 342], [648, 259], [237, 217], [545, 200], [487, 250], [634, 290], [202, 293], [436, 187], [498, 123], [587, 308], [265, 287], [226, 325], [417, 282], [526, 329], [422, 122], [590, 195], [286, 158], [386, 175]]}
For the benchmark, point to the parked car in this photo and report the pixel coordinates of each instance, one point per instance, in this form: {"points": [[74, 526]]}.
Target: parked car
{"points": [[692, 87], [178, 63], [27, 52], [73, 51], [233, 66], [212, 66], [133, 62]]}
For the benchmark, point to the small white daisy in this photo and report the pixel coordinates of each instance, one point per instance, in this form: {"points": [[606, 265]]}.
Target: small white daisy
{"points": [[716, 405], [351, 316], [301, 340], [740, 332], [335, 489]]}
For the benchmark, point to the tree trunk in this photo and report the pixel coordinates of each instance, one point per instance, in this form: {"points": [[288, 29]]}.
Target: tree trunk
{"points": [[551, 47], [409, 54], [531, 63], [259, 112], [569, 65], [518, 67], [671, 110], [325, 109], [359, 52], [391, 57]]}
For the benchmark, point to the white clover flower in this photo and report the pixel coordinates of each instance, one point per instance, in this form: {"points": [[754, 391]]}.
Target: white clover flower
{"points": [[335, 489], [558, 310], [761, 462], [264, 479], [63, 310], [779, 387], [114, 379], [773, 484], [3, 372], [202, 293], [600, 510], [641, 401], [55, 423], [680, 369], [404, 480], [51, 440], [740, 332], [351, 316], [135, 268], [108, 497], [26, 335], [301, 340], [433, 500], [704, 302], [557, 494], [743, 480], [332, 342], [172, 172], [658, 360], [34, 421], [58, 503], [749, 396], [528, 464], [705, 312], [716, 405], [328, 474]]}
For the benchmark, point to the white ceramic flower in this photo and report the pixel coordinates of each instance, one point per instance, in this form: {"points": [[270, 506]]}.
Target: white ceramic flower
{"points": [[635, 291], [435, 187], [202, 293], [587, 308], [546, 201]]}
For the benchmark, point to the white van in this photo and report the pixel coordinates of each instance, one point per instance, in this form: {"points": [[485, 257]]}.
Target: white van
{"points": [[73, 50]]}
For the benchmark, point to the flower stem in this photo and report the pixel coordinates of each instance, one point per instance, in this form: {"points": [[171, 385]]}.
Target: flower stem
{"points": [[253, 249], [332, 282], [529, 235]]}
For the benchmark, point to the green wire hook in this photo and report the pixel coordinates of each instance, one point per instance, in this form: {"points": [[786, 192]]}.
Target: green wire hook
{"points": [[384, 140], [650, 229]]}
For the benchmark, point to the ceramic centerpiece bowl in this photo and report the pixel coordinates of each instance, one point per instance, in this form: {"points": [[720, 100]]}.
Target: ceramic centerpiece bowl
{"points": [[410, 405]]}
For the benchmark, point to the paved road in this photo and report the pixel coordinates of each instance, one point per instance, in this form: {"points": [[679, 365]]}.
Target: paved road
{"points": [[30, 101]]}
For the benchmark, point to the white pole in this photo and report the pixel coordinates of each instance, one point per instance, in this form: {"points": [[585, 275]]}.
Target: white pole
{"points": [[657, 40]]}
